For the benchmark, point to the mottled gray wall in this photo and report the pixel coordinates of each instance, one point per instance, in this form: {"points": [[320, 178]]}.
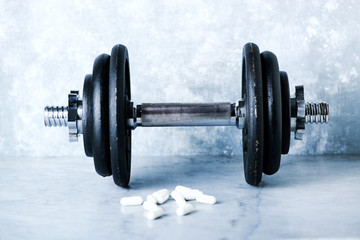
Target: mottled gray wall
{"points": [[180, 51]]}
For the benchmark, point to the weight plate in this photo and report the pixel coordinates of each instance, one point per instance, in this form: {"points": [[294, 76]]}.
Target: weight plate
{"points": [[286, 113], [119, 99], [87, 115], [100, 113], [253, 131], [272, 113]]}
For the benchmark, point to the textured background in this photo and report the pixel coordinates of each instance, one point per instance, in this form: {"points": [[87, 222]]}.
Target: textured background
{"points": [[180, 51]]}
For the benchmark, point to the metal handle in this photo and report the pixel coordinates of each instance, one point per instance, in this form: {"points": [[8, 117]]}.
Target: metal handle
{"points": [[187, 114]]}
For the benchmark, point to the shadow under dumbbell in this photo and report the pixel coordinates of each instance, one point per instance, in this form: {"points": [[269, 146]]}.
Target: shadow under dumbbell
{"points": [[194, 171], [207, 172]]}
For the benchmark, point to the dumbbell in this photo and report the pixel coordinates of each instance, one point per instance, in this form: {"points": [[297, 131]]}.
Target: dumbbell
{"points": [[105, 115]]}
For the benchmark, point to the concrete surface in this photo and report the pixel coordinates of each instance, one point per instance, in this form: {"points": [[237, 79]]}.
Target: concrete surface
{"points": [[63, 198]]}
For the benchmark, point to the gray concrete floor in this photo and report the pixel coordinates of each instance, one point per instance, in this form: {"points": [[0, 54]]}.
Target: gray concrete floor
{"points": [[63, 198]]}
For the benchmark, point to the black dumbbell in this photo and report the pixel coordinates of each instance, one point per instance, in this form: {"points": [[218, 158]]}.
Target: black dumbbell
{"points": [[266, 113]]}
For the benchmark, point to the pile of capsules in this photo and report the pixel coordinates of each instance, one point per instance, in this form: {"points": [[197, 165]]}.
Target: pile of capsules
{"points": [[181, 194]]}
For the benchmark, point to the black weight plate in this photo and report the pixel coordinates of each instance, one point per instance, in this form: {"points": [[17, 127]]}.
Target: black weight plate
{"points": [[253, 131], [272, 112], [286, 113], [100, 113], [87, 115], [119, 98]]}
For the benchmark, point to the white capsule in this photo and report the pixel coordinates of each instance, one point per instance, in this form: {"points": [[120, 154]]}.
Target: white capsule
{"points": [[163, 191], [203, 198], [161, 196], [197, 192], [160, 192], [177, 195], [179, 198], [149, 206], [185, 209], [156, 213], [151, 199], [131, 201], [180, 202], [188, 193]]}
